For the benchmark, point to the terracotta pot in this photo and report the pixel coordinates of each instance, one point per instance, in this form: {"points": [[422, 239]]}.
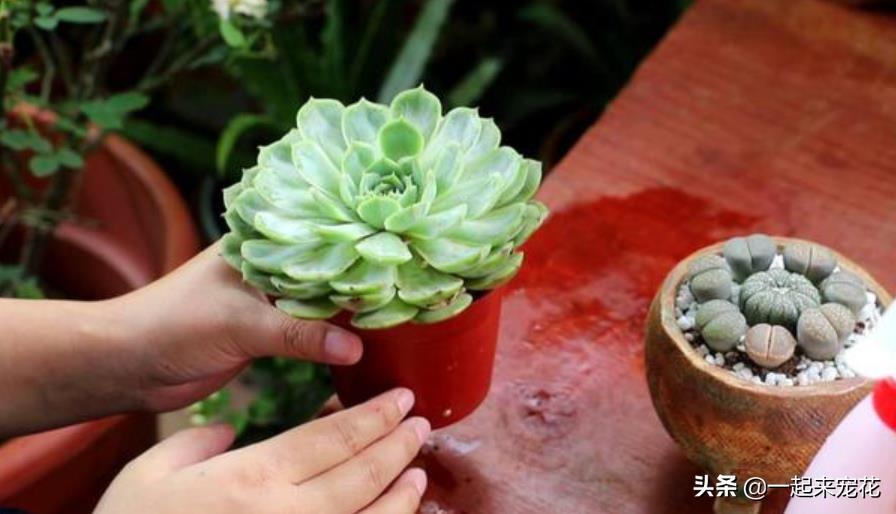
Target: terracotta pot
{"points": [[448, 364], [728, 425], [135, 228]]}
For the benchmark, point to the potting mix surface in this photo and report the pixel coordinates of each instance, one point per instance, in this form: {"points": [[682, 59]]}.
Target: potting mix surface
{"points": [[772, 117]]}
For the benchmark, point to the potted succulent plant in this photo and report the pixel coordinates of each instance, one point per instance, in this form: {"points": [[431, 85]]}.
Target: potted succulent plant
{"points": [[403, 218], [744, 354]]}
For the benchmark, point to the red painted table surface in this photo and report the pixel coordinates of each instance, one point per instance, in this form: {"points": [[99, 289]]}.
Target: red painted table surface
{"points": [[776, 116]]}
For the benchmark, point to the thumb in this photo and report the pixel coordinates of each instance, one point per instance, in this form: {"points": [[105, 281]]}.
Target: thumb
{"points": [[183, 449], [273, 333]]}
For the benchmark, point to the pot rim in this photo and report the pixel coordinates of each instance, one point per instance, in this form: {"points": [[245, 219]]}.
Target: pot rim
{"points": [[666, 299]]}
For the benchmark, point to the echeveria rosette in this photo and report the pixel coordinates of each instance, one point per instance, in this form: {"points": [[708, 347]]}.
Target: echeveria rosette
{"points": [[394, 212]]}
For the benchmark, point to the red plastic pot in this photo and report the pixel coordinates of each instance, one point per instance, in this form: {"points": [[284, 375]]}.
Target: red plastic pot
{"points": [[137, 228], [448, 364]]}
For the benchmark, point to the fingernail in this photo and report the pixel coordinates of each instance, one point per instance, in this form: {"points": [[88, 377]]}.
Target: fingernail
{"points": [[405, 400], [341, 346], [421, 428], [417, 477]]}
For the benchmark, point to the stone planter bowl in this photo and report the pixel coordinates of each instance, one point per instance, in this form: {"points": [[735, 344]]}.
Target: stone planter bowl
{"points": [[728, 425]]}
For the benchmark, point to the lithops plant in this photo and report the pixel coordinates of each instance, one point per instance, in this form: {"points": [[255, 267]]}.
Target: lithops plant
{"points": [[747, 255], [771, 303], [710, 279], [821, 332], [721, 324], [394, 212], [810, 260], [769, 345], [777, 297], [844, 288]]}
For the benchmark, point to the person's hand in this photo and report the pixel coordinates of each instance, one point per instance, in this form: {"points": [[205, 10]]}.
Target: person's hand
{"points": [[340, 464], [195, 329]]}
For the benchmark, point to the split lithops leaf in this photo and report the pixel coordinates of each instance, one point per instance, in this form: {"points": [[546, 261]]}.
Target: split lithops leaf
{"points": [[813, 261], [769, 345], [846, 289], [392, 211], [710, 278], [747, 255]]}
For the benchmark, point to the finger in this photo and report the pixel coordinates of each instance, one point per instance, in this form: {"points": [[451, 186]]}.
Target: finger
{"points": [[319, 445], [354, 484], [403, 497], [266, 331], [185, 448]]}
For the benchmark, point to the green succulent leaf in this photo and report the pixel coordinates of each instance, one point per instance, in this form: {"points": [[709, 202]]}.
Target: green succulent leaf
{"points": [[323, 263], [534, 216], [479, 195], [492, 263], [362, 121], [399, 139], [365, 277], [488, 140], [299, 290], [358, 158], [434, 225], [455, 307], [344, 232], [257, 278], [384, 248], [423, 286], [447, 255], [314, 166], [394, 313], [320, 121], [269, 256], [230, 250], [364, 302], [461, 125], [499, 276], [420, 108], [320, 308], [283, 229], [493, 229], [376, 209]]}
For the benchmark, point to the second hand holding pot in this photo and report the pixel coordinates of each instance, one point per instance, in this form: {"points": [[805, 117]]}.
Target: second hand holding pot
{"points": [[402, 220]]}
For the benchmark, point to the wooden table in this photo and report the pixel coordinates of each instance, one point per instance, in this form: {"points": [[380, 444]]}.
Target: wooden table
{"points": [[776, 116]]}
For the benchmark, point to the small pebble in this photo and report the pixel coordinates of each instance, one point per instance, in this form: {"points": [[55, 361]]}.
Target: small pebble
{"points": [[685, 323], [709, 359], [829, 374], [738, 366]]}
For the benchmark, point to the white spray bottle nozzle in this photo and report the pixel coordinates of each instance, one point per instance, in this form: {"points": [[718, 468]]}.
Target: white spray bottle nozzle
{"points": [[875, 355]]}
